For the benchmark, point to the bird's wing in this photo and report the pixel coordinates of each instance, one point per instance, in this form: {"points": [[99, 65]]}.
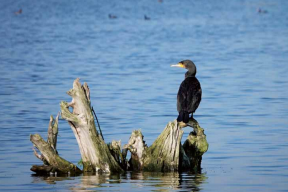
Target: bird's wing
{"points": [[196, 98], [194, 94], [182, 99]]}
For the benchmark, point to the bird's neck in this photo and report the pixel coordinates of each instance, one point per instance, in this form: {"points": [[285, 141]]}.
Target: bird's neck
{"points": [[189, 74]]}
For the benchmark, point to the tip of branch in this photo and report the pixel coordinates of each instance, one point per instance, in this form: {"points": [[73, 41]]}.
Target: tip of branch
{"points": [[34, 137], [57, 117], [63, 104], [76, 83], [71, 92]]}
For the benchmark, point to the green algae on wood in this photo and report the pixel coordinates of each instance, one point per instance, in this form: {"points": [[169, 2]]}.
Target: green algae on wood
{"points": [[58, 163], [163, 154], [195, 146], [95, 154], [53, 132]]}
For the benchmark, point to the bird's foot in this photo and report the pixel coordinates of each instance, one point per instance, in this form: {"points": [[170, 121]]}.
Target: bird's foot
{"points": [[181, 124], [191, 123]]}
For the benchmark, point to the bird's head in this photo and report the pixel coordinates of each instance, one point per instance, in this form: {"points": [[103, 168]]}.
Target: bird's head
{"points": [[187, 64]]}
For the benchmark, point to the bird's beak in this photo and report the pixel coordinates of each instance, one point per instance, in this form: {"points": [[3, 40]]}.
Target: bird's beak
{"points": [[178, 65]]}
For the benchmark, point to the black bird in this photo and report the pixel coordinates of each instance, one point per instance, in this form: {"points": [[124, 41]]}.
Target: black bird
{"points": [[190, 92], [146, 18], [112, 16]]}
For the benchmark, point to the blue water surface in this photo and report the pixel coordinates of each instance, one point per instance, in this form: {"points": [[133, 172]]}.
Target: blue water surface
{"points": [[242, 63]]}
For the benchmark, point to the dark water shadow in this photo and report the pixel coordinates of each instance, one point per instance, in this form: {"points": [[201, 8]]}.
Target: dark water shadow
{"points": [[51, 179]]}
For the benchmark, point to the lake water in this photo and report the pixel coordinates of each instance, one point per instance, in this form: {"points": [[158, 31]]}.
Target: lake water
{"points": [[242, 63]]}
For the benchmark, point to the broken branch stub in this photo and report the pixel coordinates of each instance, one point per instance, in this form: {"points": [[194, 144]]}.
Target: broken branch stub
{"points": [[163, 154], [166, 153], [53, 159], [53, 132], [137, 147], [95, 153], [195, 146], [49, 155]]}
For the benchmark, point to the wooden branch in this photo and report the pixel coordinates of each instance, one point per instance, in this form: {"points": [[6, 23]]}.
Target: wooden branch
{"points": [[40, 156], [66, 114], [96, 155], [53, 159], [115, 149], [42, 169], [53, 132]]}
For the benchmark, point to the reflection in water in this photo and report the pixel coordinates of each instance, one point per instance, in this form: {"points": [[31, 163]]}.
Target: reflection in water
{"points": [[171, 180], [92, 181], [49, 179], [132, 180]]}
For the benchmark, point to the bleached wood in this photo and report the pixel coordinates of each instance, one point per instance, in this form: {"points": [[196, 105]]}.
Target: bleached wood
{"points": [[94, 152]]}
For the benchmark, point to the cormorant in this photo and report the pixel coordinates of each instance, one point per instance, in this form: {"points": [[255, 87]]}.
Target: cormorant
{"points": [[146, 18], [190, 92], [261, 10], [112, 16]]}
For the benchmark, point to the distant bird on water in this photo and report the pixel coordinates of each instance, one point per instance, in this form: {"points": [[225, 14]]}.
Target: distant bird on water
{"points": [[146, 17], [112, 16], [259, 10], [190, 92], [18, 12]]}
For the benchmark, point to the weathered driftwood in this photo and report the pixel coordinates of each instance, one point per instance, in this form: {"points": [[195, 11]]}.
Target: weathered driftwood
{"points": [[95, 154], [42, 169], [51, 139], [137, 147], [195, 146], [53, 132], [49, 155], [165, 154]]}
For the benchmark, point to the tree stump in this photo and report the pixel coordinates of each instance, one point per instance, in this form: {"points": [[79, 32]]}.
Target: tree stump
{"points": [[164, 155]]}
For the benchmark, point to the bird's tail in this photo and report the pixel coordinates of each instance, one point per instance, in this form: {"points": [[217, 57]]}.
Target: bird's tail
{"points": [[183, 116]]}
